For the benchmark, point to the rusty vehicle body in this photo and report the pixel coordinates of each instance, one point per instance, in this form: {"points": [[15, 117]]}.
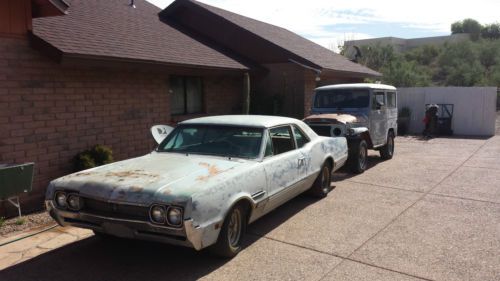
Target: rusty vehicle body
{"points": [[267, 162], [366, 114]]}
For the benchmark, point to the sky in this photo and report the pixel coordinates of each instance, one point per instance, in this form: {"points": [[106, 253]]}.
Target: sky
{"points": [[331, 22]]}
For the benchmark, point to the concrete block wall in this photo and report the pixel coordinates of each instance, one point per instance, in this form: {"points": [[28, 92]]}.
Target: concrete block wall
{"points": [[474, 107]]}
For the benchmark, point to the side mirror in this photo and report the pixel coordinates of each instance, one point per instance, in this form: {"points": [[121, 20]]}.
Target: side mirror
{"points": [[160, 132], [380, 104]]}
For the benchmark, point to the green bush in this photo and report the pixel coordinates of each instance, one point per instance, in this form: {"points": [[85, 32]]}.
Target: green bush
{"points": [[90, 158]]}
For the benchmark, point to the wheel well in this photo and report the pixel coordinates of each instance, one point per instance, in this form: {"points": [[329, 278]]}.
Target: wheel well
{"points": [[329, 160], [366, 136], [245, 203]]}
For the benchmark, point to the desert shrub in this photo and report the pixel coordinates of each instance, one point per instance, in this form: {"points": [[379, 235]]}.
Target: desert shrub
{"points": [[90, 158]]}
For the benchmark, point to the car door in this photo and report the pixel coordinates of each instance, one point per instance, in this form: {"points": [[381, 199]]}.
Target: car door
{"points": [[377, 118], [282, 163]]}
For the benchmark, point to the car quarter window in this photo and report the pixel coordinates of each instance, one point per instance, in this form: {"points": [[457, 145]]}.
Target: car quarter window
{"points": [[282, 140], [300, 138], [378, 97]]}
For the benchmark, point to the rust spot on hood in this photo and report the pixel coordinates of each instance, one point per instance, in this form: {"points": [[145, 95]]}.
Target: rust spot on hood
{"points": [[324, 118], [131, 174], [136, 189], [212, 171]]}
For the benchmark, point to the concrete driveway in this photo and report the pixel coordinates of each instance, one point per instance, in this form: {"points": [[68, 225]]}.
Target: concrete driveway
{"points": [[431, 213]]}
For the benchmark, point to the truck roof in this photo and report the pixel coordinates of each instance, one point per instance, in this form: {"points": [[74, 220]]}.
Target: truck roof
{"points": [[358, 86]]}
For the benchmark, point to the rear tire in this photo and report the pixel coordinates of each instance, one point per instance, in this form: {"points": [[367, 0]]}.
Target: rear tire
{"points": [[387, 151], [358, 156], [231, 235], [322, 185]]}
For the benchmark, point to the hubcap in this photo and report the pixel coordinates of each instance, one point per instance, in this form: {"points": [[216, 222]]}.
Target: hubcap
{"points": [[234, 228], [325, 181]]}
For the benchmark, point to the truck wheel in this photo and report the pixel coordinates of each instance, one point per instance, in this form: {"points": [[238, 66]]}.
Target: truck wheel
{"points": [[358, 156], [229, 243], [387, 151], [322, 185]]}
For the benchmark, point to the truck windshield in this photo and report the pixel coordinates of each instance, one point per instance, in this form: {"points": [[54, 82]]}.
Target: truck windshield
{"points": [[226, 141], [342, 98]]}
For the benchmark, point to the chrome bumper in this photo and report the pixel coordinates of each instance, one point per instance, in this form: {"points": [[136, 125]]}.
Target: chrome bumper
{"points": [[189, 235]]}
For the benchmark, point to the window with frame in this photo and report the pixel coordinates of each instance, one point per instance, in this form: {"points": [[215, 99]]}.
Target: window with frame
{"points": [[391, 99], [282, 139], [187, 94], [300, 138], [378, 97]]}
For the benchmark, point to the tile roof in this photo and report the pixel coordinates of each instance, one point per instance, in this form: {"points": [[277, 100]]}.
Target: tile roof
{"points": [[291, 42], [112, 28]]}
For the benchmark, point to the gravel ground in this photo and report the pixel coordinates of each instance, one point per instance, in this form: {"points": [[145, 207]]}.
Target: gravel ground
{"points": [[10, 226]]}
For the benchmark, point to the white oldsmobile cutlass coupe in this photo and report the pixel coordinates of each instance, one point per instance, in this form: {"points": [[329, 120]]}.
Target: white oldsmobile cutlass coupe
{"points": [[203, 184]]}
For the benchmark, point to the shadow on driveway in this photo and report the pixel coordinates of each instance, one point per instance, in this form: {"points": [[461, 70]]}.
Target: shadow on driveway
{"points": [[97, 259]]}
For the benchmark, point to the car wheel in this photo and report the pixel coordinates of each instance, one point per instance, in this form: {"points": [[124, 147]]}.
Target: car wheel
{"points": [[387, 151], [358, 157], [229, 243], [322, 185]]}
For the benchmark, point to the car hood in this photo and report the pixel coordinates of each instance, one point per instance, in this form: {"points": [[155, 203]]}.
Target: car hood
{"points": [[157, 177], [338, 117]]}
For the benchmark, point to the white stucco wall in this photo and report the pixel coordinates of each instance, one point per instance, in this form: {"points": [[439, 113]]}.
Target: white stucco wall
{"points": [[474, 107]]}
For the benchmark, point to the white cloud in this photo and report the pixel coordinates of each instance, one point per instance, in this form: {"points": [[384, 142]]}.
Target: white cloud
{"points": [[316, 19]]}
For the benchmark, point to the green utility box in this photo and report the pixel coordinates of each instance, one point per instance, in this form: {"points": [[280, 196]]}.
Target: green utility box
{"points": [[15, 179]]}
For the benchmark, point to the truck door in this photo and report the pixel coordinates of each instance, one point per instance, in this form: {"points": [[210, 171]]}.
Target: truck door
{"points": [[378, 124]]}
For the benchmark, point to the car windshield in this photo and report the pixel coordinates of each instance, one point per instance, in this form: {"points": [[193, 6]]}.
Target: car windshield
{"points": [[226, 141], [342, 98]]}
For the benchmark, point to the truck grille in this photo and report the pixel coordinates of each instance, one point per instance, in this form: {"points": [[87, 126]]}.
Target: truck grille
{"points": [[114, 210]]}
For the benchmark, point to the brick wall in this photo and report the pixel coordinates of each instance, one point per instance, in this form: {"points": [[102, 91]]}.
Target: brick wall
{"points": [[280, 91], [49, 112]]}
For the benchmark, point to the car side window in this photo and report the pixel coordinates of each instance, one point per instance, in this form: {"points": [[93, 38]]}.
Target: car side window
{"points": [[391, 99], [282, 140], [300, 138], [378, 97]]}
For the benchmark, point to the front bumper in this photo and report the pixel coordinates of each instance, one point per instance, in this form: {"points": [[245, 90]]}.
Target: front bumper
{"points": [[189, 235]]}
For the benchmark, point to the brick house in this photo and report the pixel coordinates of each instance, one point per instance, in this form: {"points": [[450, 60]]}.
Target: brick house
{"points": [[75, 73]]}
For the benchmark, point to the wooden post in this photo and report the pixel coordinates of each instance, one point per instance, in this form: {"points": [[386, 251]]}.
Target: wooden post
{"points": [[246, 93]]}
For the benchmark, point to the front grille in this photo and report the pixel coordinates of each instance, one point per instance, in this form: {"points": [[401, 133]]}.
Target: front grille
{"points": [[114, 210], [321, 130]]}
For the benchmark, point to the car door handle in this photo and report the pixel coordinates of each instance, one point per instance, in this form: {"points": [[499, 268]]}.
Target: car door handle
{"points": [[302, 161]]}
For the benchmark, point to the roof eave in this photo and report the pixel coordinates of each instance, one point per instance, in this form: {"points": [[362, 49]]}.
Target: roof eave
{"points": [[49, 8]]}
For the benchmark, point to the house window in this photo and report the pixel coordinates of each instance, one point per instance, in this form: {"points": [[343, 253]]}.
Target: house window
{"points": [[187, 96]]}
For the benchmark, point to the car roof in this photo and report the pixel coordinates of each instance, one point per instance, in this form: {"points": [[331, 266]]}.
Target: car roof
{"points": [[358, 86], [243, 120]]}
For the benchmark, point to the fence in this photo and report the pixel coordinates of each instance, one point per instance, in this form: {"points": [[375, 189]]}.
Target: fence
{"points": [[474, 107]]}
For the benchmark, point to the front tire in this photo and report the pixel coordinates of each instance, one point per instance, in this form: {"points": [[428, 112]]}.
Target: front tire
{"points": [[387, 151], [231, 235], [358, 156], [322, 185]]}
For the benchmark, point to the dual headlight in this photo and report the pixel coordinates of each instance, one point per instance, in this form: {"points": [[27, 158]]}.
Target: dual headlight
{"points": [[68, 200], [170, 215]]}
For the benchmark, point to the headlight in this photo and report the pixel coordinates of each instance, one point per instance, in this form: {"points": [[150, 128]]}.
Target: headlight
{"points": [[60, 199], [74, 202], [174, 216], [158, 214]]}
